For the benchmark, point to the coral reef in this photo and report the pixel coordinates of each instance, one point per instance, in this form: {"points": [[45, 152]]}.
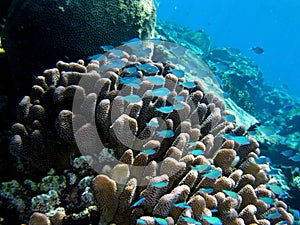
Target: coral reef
{"points": [[38, 32], [160, 142]]}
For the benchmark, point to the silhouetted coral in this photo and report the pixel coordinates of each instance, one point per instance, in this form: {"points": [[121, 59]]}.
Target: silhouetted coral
{"points": [[69, 30]]}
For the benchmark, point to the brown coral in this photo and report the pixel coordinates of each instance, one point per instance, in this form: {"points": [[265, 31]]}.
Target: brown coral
{"points": [[159, 160]]}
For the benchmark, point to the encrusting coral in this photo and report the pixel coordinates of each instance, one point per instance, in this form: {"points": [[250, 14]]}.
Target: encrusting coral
{"points": [[161, 144]]}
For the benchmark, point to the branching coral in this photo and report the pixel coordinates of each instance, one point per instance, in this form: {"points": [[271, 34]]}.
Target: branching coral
{"points": [[168, 137]]}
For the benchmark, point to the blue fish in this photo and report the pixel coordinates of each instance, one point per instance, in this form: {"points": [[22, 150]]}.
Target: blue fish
{"points": [[149, 151], [288, 153], [130, 69], [160, 184], [117, 52], [231, 194], [161, 221], [206, 190], [196, 152], [152, 124], [165, 109], [283, 222], [165, 133], [98, 57], [190, 220], [213, 174], [131, 98], [130, 81], [183, 205], [262, 160], [193, 143], [179, 98], [202, 168], [178, 106], [148, 68], [276, 189], [156, 80], [177, 72], [274, 215], [188, 84], [214, 210], [230, 118], [106, 47], [137, 203], [286, 108], [267, 200], [132, 40], [141, 221], [160, 92], [212, 220], [295, 158], [242, 140], [273, 172]]}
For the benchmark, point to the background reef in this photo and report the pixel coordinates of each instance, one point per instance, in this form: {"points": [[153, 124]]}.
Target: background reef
{"points": [[72, 192]]}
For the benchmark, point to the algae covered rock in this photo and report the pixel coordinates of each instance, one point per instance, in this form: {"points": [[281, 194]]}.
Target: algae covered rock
{"points": [[38, 32]]}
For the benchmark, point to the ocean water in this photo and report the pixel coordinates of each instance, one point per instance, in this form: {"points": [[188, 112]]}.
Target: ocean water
{"points": [[270, 24]]}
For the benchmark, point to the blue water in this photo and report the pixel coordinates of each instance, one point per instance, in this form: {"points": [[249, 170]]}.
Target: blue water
{"points": [[271, 24]]}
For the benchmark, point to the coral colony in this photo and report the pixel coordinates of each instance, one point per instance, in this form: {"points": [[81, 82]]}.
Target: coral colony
{"points": [[165, 149]]}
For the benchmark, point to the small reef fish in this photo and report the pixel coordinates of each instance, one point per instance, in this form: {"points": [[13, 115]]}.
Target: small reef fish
{"points": [[152, 124], [179, 98], [295, 158], [130, 81], [267, 200], [141, 221], [148, 68], [196, 152], [242, 140], [286, 108], [276, 189], [160, 92], [177, 72], [117, 52], [156, 80], [262, 160], [288, 153], [106, 47], [130, 69], [190, 220], [137, 203], [183, 205], [97, 57], [149, 151], [132, 40], [161, 221], [213, 174], [132, 98], [258, 50], [283, 222], [165, 109], [206, 190], [188, 84], [274, 215], [231, 194], [252, 129], [273, 172], [212, 220], [230, 118], [202, 168], [178, 106], [165, 133], [160, 184], [193, 143]]}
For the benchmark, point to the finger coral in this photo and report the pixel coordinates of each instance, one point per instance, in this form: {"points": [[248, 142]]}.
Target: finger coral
{"points": [[165, 154]]}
